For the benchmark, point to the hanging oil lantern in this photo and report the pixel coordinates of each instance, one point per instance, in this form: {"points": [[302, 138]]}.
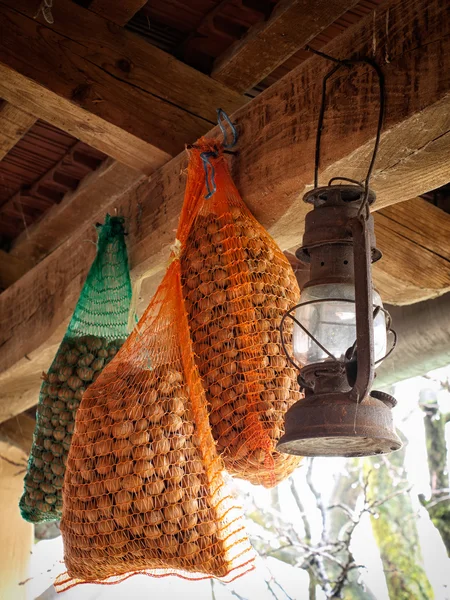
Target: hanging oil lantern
{"points": [[341, 328]]}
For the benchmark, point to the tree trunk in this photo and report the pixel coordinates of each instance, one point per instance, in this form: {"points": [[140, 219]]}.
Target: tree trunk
{"points": [[394, 528], [438, 506]]}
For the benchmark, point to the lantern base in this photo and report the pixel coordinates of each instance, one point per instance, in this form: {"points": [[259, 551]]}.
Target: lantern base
{"points": [[334, 425]]}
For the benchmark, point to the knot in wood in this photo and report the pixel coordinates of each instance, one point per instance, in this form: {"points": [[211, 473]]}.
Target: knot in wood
{"points": [[81, 92], [124, 65]]}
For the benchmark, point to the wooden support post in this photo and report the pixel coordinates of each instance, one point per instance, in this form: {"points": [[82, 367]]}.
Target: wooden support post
{"points": [[16, 535]]}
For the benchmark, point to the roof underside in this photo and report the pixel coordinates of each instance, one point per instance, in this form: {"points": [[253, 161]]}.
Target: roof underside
{"points": [[47, 162]]}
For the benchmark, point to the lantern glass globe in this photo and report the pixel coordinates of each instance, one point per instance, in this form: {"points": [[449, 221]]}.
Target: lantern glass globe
{"points": [[333, 323]]}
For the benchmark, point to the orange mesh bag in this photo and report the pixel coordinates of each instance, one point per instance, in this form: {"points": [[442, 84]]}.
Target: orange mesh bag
{"points": [[237, 284], [144, 491]]}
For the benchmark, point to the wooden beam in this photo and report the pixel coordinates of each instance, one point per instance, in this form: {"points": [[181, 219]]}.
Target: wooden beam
{"points": [[292, 25], [414, 238], [12, 268], [18, 432], [274, 165], [104, 85], [14, 123], [118, 11], [78, 209]]}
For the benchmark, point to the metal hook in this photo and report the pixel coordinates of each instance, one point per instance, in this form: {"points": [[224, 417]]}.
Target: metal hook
{"points": [[222, 116], [210, 172]]}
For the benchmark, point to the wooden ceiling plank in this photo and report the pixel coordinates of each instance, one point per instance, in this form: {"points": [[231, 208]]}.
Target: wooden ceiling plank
{"points": [[273, 168], [117, 11], [14, 123], [420, 221], [292, 25], [17, 203], [414, 238], [104, 85]]}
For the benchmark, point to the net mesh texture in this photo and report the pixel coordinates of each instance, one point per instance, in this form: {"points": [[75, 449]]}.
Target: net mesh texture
{"points": [[96, 331], [144, 490], [237, 284]]}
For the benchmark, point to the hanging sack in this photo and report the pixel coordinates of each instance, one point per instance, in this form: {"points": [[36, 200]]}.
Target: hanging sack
{"points": [[97, 330], [237, 284], [144, 491]]}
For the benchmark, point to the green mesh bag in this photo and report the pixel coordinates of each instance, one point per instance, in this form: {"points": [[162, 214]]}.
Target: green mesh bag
{"points": [[98, 328]]}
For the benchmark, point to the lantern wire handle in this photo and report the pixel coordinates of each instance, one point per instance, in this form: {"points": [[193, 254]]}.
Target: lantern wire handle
{"points": [[349, 63]]}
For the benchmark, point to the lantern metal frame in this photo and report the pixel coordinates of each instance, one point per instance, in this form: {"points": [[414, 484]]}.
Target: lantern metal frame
{"points": [[348, 359], [340, 415]]}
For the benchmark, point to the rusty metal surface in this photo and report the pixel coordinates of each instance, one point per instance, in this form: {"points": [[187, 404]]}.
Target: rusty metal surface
{"points": [[37, 172], [339, 416], [333, 425]]}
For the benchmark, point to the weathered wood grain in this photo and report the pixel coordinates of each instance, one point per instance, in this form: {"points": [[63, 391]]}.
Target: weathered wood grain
{"points": [[104, 85], [275, 162], [12, 268], [118, 11], [414, 238], [14, 123], [292, 25]]}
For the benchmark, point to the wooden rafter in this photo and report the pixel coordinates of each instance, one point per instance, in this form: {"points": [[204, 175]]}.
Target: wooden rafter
{"points": [[118, 11], [272, 170], [104, 85], [16, 206], [78, 209], [14, 123], [292, 25]]}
